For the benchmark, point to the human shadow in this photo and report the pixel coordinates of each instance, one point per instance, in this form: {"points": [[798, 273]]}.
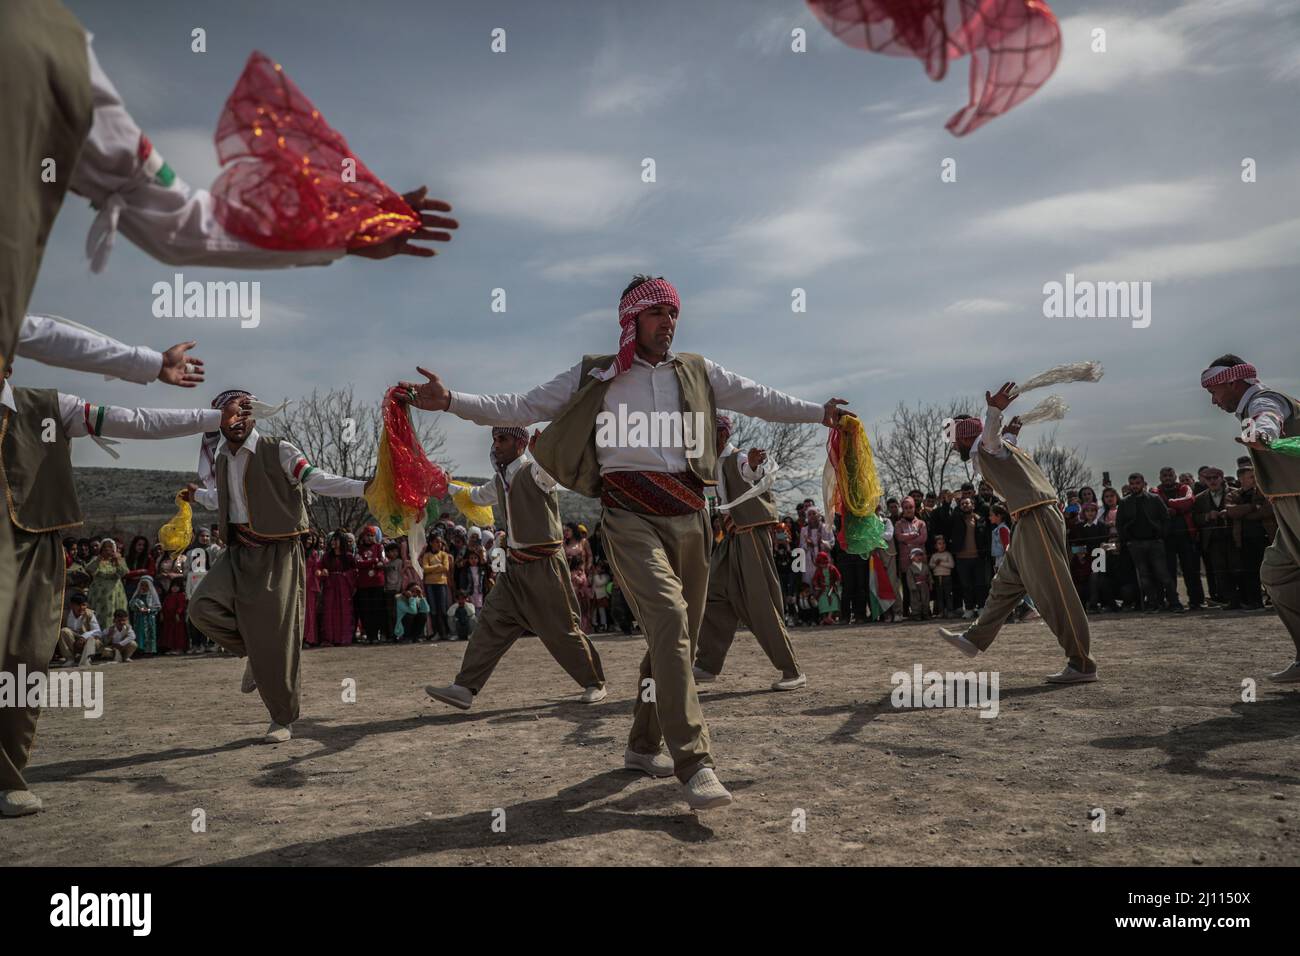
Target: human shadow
{"points": [[566, 815], [1271, 718], [857, 716]]}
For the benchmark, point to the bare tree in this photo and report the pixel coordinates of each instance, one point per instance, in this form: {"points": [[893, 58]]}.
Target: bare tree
{"points": [[1065, 468], [340, 434], [914, 450], [795, 448]]}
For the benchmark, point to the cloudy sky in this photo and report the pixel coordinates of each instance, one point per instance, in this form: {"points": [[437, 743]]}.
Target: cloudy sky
{"points": [[776, 170]]}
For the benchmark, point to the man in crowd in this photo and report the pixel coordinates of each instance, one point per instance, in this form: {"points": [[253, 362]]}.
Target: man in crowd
{"points": [[1214, 533], [1253, 527], [1180, 536], [1141, 521]]}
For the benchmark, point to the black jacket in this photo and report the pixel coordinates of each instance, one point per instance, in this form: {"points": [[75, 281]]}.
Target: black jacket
{"points": [[1141, 517]]}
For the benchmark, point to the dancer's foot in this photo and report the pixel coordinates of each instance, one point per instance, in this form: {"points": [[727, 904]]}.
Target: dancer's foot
{"points": [[454, 694], [19, 803], [1071, 676], [705, 791], [791, 683], [594, 695], [249, 683], [959, 640], [277, 734], [702, 676], [1291, 675], [656, 765]]}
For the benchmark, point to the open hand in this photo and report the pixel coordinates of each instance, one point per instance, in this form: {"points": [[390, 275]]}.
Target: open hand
{"points": [[180, 369], [432, 395], [833, 413], [1004, 397], [432, 229], [236, 412]]}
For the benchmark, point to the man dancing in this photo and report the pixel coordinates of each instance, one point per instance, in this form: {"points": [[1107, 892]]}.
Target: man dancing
{"points": [[654, 522], [535, 593], [251, 600], [1268, 415], [42, 499], [1035, 564], [743, 583]]}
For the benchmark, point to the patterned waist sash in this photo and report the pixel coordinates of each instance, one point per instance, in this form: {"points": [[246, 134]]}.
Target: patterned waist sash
{"points": [[661, 493], [532, 553]]}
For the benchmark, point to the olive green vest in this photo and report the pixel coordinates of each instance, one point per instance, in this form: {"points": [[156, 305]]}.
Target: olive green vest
{"points": [[1278, 474], [37, 474], [567, 448], [277, 508], [533, 514], [1017, 479], [45, 85], [758, 510]]}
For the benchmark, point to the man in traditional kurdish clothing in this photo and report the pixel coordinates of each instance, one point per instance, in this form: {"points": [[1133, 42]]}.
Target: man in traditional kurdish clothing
{"points": [[1037, 562], [251, 599], [743, 584], [36, 471], [63, 126], [1267, 415], [535, 593], [632, 429]]}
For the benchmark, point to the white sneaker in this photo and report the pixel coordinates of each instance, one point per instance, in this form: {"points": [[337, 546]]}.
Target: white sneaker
{"points": [[19, 803], [656, 765], [1071, 676], [117, 656], [705, 791], [703, 676], [249, 683], [454, 694], [791, 683], [958, 640], [594, 695], [277, 734], [1291, 675]]}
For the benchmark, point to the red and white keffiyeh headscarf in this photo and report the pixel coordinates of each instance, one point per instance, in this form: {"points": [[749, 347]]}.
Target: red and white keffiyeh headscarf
{"points": [[969, 428], [724, 424], [1223, 374], [647, 294]]}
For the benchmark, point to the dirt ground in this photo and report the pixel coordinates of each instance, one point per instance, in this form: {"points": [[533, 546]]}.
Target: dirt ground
{"points": [[1186, 771]]}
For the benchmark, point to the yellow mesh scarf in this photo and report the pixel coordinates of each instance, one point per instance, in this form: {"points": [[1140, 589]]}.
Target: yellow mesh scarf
{"points": [[858, 484], [177, 532], [478, 515]]}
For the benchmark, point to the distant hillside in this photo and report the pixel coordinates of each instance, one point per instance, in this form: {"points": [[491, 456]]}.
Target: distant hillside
{"points": [[131, 501]]}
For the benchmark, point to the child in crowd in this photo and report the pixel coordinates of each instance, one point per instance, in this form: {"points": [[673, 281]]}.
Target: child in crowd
{"points": [[119, 641], [806, 605], [412, 609], [941, 568], [826, 588], [145, 607], [600, 583], [578, 577], [392, 585], [918, 584], [461, 617], [175, 635]]}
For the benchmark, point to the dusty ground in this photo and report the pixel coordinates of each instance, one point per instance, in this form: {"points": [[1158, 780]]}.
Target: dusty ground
{"points": [[1186, 771]]}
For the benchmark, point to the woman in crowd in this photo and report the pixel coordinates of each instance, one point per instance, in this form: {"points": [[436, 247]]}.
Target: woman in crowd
{"points": [[145, 609], [582, 588], [369, 595], [315, 554], [139, 564], [814, 539], [107, 594], [174, 636], [338, 577]]}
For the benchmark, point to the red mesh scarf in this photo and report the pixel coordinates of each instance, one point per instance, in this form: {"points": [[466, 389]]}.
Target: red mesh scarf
{"points": [[405, 480], [284, 186], [1014, 45]]}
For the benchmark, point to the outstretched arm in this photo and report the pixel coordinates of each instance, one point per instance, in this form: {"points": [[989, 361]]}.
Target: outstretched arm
{"points": [[113, 421], [746, 396], [505, 408], [55, 341], [300, 471]]}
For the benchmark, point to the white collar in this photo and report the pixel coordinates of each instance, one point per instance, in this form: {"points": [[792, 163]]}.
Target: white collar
{"points": [[1247, 395], [512, 469], [7, 397], [249, 445], [669, 357]]}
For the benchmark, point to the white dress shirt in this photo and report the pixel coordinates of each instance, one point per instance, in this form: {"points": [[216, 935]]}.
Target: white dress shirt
{"points": [[296, 468], [751, 475], [1268, 411], [113, 421], [642, 388], [55, 341], [82, 625], [992, 439], [487, 494], [167, 219]]}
